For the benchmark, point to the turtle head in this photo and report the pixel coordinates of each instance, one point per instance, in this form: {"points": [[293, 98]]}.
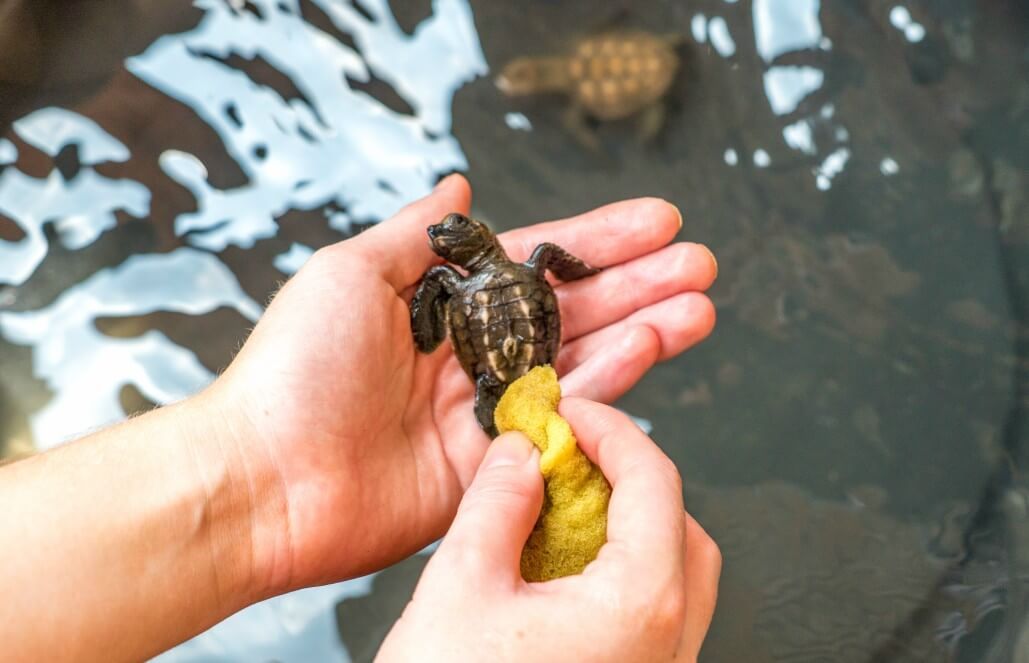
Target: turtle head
{"points": [[523, 76], [464, 241]]}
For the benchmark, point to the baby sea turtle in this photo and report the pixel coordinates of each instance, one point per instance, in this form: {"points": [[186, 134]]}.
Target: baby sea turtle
{"points": [[610, 75], [503, 317]]}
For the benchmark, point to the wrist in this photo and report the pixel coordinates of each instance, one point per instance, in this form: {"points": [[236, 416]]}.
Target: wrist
{"points": [[244, 513]]}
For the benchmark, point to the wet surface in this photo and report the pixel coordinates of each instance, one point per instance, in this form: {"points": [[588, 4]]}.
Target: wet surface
{"points": [[853, 434]]}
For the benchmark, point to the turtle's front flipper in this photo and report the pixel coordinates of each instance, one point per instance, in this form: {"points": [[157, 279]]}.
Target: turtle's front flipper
{"points": [[428, 307], [488, 391], [564, 265]]}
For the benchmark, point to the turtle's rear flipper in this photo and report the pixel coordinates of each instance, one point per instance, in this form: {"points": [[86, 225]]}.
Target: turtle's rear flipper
{"points": [[428, 307], [564, 265], [487, 394]]}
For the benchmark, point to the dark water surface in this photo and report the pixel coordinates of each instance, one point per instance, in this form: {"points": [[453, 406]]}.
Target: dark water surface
{"points": [[853, 434]]}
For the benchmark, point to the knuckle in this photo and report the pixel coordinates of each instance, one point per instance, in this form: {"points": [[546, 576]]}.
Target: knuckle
{"points": [[709, 553], [670, 610], [501, 485], [666, 468], [661, 609]]}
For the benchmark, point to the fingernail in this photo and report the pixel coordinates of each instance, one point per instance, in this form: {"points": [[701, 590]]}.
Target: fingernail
{"points": [[508, 449], [678, 212], [713, 259]]}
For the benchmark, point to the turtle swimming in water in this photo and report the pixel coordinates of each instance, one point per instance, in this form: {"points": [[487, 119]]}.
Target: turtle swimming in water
{"points": [[610, 75], [503, 317]]}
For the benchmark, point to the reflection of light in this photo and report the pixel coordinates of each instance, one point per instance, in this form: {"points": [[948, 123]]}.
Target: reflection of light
{"points": [[698, 26], [888, 167], [300, 626], [336, 145], [761, 158], [50, 129], [799, 136], [8, 152], [644, 425], [518, 122], [81, 210], [781, 26], [787, 86], [831, 166], [720, 37], [731, 157], [901, 19], [86, 369], [292, 260]]}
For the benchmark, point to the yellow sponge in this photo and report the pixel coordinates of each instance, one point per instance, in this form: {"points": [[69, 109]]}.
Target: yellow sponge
{"points": [[573, 523]]}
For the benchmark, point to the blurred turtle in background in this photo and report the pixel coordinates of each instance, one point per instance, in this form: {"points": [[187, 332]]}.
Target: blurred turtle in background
{"points": [[611, 75]]}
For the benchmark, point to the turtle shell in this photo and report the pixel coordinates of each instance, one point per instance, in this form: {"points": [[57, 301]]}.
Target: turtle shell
{"points": [[504, 322], [616, 74]]}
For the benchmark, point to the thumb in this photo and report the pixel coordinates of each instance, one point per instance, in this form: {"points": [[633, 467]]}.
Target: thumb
{"points": [[399, 246], [497, 512]]}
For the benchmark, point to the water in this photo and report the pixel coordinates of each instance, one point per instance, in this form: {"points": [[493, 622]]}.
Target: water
{"points": [[853, 434]]}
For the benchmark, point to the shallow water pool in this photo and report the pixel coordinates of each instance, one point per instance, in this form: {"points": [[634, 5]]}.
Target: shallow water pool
{"points": [[853, 434]]}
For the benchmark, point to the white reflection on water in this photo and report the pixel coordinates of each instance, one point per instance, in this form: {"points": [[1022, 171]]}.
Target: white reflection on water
{"points": [[86, 369], [292, 260], [791, 26], [336, 144], [781, 26], [293, 628], [517, 121], [8, 152], [787, 86], [51, 129], [698, 26], [799, 136], [721, 39], [901, 19], [81, 208]]}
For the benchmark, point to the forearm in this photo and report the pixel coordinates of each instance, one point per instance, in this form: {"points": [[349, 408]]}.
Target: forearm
{"points": [[126, 542]]}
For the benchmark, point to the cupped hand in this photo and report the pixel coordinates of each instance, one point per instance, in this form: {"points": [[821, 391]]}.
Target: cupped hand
{"points": [[367, 445], [649, 595]]}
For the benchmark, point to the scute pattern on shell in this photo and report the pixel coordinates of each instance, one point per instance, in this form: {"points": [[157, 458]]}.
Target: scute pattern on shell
{"points": [[508, 326], [617, 74]]}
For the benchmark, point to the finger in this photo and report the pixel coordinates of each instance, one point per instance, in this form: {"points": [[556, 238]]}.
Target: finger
{"points": [[605, 236], [703, 570], [399, 246], [615, 293], [497, 513], [679, 322], [645, 527], [613, 370]]}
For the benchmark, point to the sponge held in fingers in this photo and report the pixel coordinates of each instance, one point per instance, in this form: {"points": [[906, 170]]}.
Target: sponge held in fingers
{"points": [[572, 525]]}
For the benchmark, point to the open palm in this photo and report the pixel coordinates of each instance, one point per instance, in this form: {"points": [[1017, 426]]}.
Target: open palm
{"points": [[373, 443]]}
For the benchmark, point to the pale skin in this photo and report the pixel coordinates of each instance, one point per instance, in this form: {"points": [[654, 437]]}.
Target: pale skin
{"points": [[331, 448]]}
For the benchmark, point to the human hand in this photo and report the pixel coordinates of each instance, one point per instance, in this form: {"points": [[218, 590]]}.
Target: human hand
{"points": [[649, 595], [356, 448]]}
